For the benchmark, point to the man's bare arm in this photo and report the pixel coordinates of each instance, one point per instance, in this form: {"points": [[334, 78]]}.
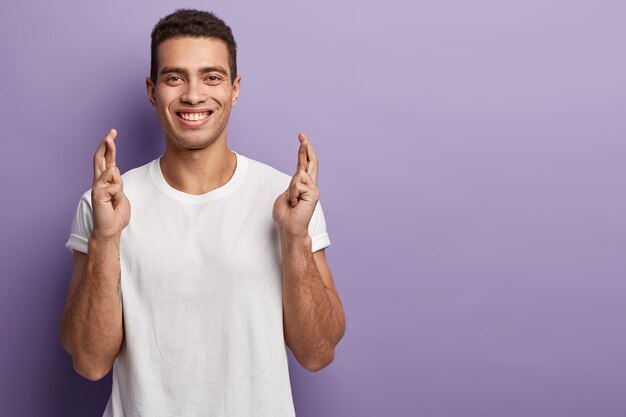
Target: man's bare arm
{"points": [[314, 320], [91, 327]]}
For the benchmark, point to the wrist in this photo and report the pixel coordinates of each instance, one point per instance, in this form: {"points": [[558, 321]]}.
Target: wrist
{"points": [[98, 240], [298, 239], [293, 232]]}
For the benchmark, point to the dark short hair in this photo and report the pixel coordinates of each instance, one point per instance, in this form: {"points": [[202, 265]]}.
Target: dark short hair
{"points": [[195, 24]]}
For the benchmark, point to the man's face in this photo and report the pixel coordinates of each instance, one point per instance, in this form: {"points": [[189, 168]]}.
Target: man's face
{"points": [[193, 94]]}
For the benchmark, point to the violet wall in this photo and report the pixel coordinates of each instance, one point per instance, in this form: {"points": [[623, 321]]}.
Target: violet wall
{"points": [[472, 165]]}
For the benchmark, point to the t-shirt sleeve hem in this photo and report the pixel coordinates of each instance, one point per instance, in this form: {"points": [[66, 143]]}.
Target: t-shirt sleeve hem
{"points": [[320, 242], [77, 243]]}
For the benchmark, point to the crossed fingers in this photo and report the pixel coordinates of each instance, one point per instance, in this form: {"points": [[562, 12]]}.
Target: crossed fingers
{"points": [[307, 159], [107, 180], [110, 206], [303, 185], [104, 158]]}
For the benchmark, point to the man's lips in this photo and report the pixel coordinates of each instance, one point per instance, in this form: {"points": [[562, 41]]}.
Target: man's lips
{"points": [[193, 116]]}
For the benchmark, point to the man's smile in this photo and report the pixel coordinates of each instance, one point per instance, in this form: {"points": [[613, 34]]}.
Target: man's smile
{"points": [[193, 118]]}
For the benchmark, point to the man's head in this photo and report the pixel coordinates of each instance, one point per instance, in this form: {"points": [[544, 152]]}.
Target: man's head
{"points": [[193, 82], [194, 24]]}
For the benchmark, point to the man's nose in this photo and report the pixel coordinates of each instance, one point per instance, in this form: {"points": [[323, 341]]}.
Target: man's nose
{"points": [[194, 93]]}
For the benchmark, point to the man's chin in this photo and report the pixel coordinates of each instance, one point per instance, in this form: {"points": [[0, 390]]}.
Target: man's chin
{"points": [[192, 144]]}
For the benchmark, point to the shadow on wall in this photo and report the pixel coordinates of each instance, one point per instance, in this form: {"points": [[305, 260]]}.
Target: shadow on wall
{"points": [[142, 136]]}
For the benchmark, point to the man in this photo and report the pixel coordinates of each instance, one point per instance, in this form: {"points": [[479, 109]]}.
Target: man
{"points": [[192, 299]]}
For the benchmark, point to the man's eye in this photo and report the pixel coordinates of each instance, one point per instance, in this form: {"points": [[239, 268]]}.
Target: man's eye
{"points": [[213, 79], [173, 79]]}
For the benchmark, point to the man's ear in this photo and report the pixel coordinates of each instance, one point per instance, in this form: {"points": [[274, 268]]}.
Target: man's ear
{"points": [[150, 90], [236, 86]]}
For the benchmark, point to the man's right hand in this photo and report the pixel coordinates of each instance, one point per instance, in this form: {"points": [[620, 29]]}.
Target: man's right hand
{"points": [[111, 208], [92, 328]]}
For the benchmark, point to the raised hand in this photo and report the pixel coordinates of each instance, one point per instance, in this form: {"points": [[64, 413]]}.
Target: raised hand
{"points": [[294, 208], [111, 208]]}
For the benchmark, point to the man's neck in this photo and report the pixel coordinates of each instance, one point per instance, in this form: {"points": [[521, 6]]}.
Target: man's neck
{"points": [[198, 171]]}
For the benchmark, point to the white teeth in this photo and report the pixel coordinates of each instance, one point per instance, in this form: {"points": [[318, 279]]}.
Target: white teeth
{"points": [[194, 116]]}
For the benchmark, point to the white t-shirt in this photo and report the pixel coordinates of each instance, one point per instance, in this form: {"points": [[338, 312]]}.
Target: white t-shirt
{"points": [[202, 296]]}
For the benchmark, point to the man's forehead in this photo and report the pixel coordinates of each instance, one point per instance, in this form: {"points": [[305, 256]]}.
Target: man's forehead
{"points": [[193, 52]]}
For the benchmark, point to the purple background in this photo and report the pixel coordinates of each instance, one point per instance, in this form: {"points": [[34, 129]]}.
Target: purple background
{"points": [[472, 164]]}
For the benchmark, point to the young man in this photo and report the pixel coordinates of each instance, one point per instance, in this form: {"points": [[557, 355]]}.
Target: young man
{"points": [[193, 298]]}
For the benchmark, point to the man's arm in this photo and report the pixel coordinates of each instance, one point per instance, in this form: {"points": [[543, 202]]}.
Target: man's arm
{"points": [[313, 317], [91, 327]]}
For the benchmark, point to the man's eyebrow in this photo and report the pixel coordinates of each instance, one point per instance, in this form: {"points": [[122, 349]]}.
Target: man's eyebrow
{"points": [[216, 68], [177, 70], [203, 70]]}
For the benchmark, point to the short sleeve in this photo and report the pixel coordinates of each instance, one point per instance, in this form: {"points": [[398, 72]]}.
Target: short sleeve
{"points": [[82, 225], [317, 230]]}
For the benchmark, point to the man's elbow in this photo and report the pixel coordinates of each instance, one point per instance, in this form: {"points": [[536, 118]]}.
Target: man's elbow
{"points": [[320, 362], [90, 372]]}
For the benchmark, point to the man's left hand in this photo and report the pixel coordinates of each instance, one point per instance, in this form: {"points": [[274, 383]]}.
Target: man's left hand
{"points": [[293, 208]]}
